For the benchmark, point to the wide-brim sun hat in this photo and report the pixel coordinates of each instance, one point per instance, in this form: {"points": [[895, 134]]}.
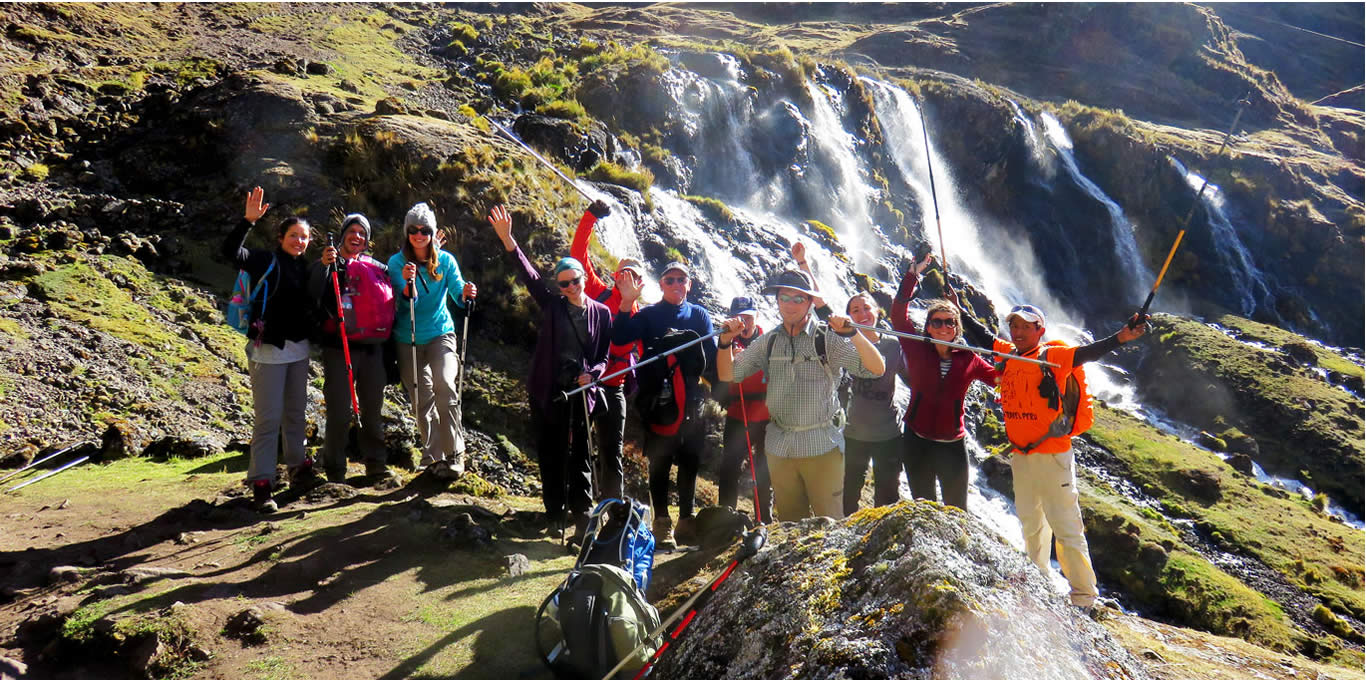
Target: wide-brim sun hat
{"points": [[791, 278]]}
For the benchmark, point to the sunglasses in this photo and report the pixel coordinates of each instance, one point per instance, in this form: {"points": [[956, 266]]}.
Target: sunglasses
{"points": [[674, 280], [792, 299], [425, 231], [943, 323], [571, 282]]}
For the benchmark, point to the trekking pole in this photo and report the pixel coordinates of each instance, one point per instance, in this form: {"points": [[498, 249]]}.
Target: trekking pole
{"points": [[542, 159], [934, 197], [749, 448], [38, 462], [1143, 311], [628, 369], [464, 345], [40, 478], [341, 329], [751, 543], [588, 432], [970, 348], [412, 340]]}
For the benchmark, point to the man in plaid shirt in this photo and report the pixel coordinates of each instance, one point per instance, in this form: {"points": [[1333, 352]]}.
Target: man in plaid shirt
{"points": [[804, 441]]}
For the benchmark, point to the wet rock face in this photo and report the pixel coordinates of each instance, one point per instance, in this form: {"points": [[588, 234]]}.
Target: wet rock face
{"points": [[910, 591]]}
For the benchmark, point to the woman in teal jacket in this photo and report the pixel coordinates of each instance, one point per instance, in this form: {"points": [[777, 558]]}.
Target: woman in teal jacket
{"points": [[431, 330]]}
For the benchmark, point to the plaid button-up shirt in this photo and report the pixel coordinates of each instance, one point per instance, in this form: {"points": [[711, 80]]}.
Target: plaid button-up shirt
{"points": [[802, 399]]}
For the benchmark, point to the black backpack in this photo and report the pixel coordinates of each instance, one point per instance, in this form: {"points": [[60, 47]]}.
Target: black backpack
{"points": [[663, 383]]}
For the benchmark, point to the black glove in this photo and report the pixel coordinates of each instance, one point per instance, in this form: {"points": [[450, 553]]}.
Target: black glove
{"points": [[599, 209]]}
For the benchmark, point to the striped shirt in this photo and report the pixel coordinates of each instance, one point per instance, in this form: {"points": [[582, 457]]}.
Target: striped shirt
{"points": [[802, 400]]}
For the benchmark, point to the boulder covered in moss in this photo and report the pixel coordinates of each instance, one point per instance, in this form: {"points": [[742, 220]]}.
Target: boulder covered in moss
{"points": [[914, 590]]}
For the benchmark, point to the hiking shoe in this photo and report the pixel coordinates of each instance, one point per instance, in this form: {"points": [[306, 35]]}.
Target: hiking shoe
{"points": [[446, 470], [686, 531], [375, 468], [260, 497], [664, 533], [457, 464], [304, 477], [336, 476]]}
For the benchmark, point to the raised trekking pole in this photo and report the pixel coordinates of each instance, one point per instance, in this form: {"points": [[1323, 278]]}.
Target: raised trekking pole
{"points": [[341, 328], [1143, 311], [38, 462], [934, 197], [541, 158], [955, 345], [750, 544], [628, 369], [40, 478]]}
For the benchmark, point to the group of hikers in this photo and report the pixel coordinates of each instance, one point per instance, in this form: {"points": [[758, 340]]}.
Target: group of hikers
{"points": [[597, 343]]}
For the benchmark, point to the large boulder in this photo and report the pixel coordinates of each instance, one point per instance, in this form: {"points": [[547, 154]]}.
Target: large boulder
{"points": [[914, 590]]}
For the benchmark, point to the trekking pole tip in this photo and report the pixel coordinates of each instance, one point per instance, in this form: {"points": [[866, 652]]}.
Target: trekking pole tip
{"points": [[752, 542]]}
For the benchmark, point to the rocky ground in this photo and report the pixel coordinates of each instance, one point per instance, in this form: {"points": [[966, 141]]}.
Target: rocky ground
{"points": [[132, 131]]}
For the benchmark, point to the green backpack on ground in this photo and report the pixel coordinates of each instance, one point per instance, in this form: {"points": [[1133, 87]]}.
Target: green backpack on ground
{"points": [[594, 619]]}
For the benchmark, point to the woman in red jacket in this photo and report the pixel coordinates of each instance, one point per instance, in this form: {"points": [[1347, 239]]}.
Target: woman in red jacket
{"points": [[933, 445]]}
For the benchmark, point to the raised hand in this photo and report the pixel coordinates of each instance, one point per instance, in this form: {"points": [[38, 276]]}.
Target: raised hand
{"points": [[840, 324], [599, 209], [630, 287], [501, 220], [256, 207], [1133, 329], [924, 263], [799, 253]]}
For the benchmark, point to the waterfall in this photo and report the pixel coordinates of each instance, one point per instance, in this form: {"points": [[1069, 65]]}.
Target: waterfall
{"points": [[1126, 247], [1248, 285], [842, 177]]}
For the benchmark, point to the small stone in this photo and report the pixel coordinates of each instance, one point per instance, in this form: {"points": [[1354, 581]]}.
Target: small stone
{"points": [[246, 626], [1242, 463], [317, 68], [517, 565], [12, 668], [143, 574], [65, 574]]}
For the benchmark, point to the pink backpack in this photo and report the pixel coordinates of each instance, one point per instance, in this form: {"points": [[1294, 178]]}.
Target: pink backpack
{"points": [[367, 302]]}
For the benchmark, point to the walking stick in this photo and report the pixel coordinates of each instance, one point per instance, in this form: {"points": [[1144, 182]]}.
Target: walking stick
{"points": [[934, 197], [40, 478], [464, 345], [38, 462], [628, 369], [593, 483], [412, 340], [749, 449], [542, 159], [912, 336], [751, 543], [346, 346], [1143, 311]]}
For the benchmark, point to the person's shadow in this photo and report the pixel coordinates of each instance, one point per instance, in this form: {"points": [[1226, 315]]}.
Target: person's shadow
{"points": [[504, 648]]}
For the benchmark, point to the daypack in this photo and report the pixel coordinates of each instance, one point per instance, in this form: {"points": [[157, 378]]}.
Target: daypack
{"points": [[239, 314], [662, 395], [600, 614], [367, 302]]}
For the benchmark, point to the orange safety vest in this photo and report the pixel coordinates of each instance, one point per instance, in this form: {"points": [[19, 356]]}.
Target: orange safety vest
{"points": [[1028, 414]]}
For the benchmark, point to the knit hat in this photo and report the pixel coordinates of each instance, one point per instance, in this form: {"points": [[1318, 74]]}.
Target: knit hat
{"points": [[1028, 313], [567, 263], [356, 218], [420, 215]]}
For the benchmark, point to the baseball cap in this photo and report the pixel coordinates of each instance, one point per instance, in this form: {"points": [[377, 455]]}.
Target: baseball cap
{"points": [[1028, 313], [631, 264], [675, 265], [741, 305]]}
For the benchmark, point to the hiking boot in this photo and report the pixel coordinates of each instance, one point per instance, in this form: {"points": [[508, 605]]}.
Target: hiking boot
{"points": [[554, 525], [303, 477], [336, 476], [260, 497], [686, 533], [580, 531], [446, 470], [457, 464], [664, 533]]}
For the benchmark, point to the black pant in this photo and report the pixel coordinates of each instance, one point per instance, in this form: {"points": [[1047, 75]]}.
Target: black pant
{"points": [[367, 365], [886, 457], [734, 455], [610, 420], [562, 451], [928, 460], [683, 448]]}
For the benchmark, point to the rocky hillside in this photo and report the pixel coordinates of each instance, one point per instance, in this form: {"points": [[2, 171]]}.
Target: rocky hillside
{"points": [[132, 132]]}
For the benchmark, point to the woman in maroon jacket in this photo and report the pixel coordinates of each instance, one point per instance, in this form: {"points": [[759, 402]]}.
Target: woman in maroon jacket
{"points": [[932, 444]]}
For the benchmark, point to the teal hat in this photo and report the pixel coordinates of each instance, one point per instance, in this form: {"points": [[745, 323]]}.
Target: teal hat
{"points": [[567, 263]]}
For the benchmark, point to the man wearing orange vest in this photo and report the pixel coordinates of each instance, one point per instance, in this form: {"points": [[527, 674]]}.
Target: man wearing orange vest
{"points": [[1040, 429]]}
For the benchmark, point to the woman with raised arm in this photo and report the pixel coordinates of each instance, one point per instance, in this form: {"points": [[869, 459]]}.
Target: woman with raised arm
{"points": [[277, 348]]}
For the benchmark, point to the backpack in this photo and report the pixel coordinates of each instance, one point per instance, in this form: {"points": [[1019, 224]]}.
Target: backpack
{"points": [[367, 302], [1076, 413], [239, 313], [663, 385], [599, 613]]}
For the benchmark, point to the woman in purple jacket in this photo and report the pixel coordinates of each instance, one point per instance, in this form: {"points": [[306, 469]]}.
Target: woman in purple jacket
{"points": [[932, 443], [571, 350]]}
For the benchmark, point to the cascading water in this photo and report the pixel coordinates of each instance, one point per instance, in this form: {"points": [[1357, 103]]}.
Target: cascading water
{"points": [[1126, 247], [1247, 282], [842, 177]]}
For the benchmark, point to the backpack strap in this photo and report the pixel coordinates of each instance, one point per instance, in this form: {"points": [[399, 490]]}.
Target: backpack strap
{"points": [[262, 282]]}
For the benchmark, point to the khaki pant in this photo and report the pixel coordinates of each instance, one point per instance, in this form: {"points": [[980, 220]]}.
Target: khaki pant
{"points": [[806, 486], [438, 406], [1046, 501]]}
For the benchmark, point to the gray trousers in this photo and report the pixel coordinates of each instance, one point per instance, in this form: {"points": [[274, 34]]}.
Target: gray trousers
{"points": [[279, 396], [438, 406], [367, 364]]}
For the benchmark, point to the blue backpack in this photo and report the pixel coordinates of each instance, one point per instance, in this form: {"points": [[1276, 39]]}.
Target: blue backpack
{"points": [[617, 535], [244, 296]]}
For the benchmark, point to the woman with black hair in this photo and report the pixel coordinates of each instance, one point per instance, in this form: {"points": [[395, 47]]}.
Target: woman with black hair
{"points": [[277, 347]]}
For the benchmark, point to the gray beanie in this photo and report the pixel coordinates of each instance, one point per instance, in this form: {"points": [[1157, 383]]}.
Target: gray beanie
{"points": [[420, 215], [356, 218]]}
